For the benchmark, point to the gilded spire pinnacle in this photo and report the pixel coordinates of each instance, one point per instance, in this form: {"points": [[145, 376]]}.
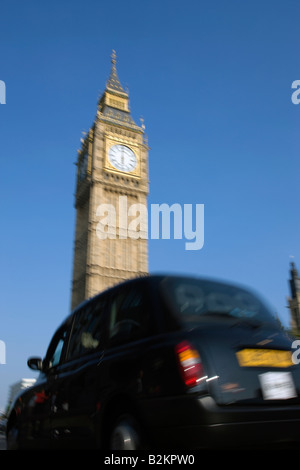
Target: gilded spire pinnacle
{"points": [[114, 57]]}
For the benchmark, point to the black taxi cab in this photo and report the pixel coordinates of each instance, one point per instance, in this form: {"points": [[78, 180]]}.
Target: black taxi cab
{"points": [[163, 362]]}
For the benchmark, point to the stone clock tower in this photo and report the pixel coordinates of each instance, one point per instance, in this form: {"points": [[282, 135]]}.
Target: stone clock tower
{"points": [[112, 179]]}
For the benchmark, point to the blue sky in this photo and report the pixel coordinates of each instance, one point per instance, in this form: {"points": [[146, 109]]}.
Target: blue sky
{"points": [[212, 81]]}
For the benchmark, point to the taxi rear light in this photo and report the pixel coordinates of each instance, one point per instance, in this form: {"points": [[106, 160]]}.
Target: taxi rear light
{"points": [[190, 364]]}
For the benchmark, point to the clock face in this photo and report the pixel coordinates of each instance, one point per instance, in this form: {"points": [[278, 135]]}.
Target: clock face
{"points": [[122, 158]]}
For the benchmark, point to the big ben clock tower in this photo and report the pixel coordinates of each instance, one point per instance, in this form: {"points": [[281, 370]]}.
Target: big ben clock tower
{"points": [[112, 176]]}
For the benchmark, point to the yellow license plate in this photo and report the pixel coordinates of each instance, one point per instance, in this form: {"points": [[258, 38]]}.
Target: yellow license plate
{"points": [[264, 358]]}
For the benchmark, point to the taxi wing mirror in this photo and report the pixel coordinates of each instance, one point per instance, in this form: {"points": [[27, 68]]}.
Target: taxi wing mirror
{"points": [[35, 363]]}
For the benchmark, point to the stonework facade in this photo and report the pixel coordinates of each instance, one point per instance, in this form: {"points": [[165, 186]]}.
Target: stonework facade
{"points": [[112, 171]]}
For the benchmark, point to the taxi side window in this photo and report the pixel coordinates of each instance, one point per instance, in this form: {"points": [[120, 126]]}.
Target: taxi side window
{"points": [[87, 334], [57, 353], [129, 316], [56, 348]]}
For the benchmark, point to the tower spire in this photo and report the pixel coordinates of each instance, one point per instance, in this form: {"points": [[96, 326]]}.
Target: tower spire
{"points": [[113, 105], [113, 83]]}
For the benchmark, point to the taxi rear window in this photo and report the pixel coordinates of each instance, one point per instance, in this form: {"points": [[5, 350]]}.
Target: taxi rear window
{"points": [[194, 299]]}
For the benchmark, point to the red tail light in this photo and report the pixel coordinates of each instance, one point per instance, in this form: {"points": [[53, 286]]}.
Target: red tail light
{"points": [[190, 364]]}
